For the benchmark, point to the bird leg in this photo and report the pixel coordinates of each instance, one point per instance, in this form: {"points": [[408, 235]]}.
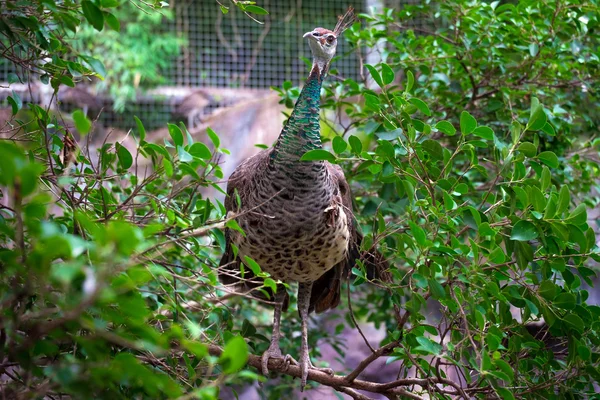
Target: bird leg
{"points": [[274, 351], [304, 290]]}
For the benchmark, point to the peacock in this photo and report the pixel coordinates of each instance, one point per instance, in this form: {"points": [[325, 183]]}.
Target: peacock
{"points": [[296, 215]]}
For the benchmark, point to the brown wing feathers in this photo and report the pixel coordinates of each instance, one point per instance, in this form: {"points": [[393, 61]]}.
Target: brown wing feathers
{"points": [[326, 290]]}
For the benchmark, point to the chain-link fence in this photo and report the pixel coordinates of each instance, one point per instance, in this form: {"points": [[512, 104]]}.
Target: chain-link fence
{"points": [[226, 51]]}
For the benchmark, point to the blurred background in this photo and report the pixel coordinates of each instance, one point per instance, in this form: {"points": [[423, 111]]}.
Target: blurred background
{"points": [[189, 59]]}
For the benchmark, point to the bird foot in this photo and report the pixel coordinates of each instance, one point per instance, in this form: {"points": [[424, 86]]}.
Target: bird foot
{"points": [[275, 352], [305, 365]]}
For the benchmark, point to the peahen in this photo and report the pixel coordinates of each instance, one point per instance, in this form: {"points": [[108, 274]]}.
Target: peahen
{"points": [[296, 215]]}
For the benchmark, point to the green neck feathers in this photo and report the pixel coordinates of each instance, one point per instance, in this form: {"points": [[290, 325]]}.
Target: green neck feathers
{"points": [[302, 133]]}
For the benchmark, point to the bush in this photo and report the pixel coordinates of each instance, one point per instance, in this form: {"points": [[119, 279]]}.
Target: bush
{"points": [[472, 167]]}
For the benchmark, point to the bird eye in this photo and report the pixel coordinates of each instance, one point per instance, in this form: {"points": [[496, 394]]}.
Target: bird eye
{"points": [[330, 39]]}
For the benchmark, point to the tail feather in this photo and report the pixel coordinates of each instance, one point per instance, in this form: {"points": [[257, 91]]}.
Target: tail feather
{"points": [[326, 291]]}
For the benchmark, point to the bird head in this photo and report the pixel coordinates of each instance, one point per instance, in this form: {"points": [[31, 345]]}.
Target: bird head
{"points": [[323, 42]]}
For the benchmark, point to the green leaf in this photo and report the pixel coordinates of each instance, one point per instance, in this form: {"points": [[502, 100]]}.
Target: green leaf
{"points": [[410, 81], [418, 233], [391, 135], [449, 203], [564, 200], [176, 134], [528, 149], [355, 144], [198, 349], [93, 14], [549, 130], [545, 179], [420, 280], [318, 155], [214, 138], [12, 78], [420, 104], [578, 216], [550, 208], [446, 127], [15, 102], [506, 368], [548, 158], [109, 3], [255, 10], [112, 22], [168, 166], [537, 116], [467, 123], [387, 74], [271, 284], [66, 80], [372, 102], [538, 200], [484, 229], [339, 145], [188, 170], [434, 148], [505, 394], [533, 49], [375, 75], [566, 301], [584, 352], [157, 149], [253, 265], [82, 123], [428, 346], [200, 150], [235, 355], [575, 322], [125, 158], [548, 290], [524, 231], [522, 196], [184, 156], [232, 224], [140, 127], [436, 289], [95, 64], [484, 132]]}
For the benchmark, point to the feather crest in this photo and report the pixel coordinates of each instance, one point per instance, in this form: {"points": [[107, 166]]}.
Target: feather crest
{"points": [[344, 22]]}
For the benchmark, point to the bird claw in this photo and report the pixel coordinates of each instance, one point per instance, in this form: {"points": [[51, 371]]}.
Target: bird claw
{"points": [[305, 365], [275, 352], [327, 371], [287, 361], [271, 352]]}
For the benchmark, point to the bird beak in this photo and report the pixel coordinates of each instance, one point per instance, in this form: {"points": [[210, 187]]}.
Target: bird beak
{"points": [[309, 35]]}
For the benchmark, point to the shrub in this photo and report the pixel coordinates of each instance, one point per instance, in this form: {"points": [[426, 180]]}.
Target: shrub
{"points": [[471, 163]]}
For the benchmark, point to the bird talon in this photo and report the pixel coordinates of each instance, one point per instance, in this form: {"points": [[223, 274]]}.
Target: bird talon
{"points": [[287, 361], [271, 352], [327, 371]]}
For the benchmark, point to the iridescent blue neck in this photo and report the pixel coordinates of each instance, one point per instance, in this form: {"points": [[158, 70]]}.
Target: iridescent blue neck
{"points": [[302, 133]]}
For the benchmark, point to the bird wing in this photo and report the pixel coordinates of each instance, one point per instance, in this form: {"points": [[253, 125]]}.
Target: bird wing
{"points": [[239, 185], [326, 290]]}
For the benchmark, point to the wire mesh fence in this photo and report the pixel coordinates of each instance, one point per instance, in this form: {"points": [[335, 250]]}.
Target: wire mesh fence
{"points": [[232, 50], [227, 51]]}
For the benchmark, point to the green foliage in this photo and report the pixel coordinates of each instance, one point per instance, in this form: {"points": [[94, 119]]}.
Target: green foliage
{"points": [[34, 39], [135, 51], [472, 166]]}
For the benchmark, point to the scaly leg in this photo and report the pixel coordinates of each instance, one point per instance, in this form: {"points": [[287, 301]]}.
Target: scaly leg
{"points": [[273, 351], [304, 290]]}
